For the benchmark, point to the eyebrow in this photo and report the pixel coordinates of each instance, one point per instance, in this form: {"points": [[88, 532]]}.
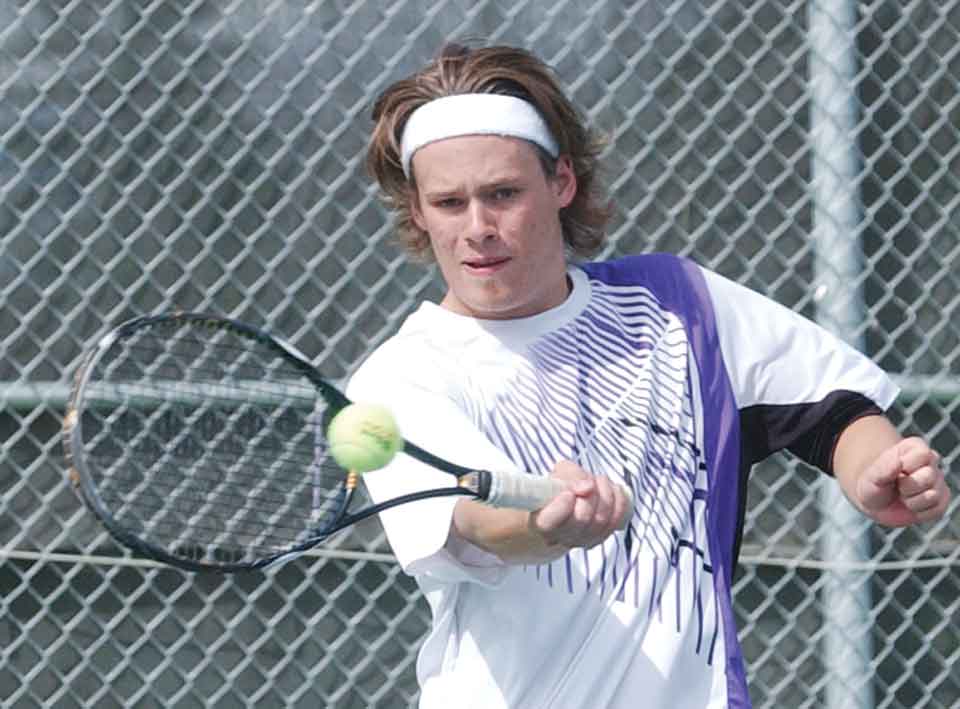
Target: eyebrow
{"points": [[513, 180], [439, 194]]}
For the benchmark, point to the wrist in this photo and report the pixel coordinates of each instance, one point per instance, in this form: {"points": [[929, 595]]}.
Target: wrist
{"points": [[511, 535]]}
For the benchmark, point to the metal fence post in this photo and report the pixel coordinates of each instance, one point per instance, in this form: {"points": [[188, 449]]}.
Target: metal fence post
{"points": [[846, 597]]}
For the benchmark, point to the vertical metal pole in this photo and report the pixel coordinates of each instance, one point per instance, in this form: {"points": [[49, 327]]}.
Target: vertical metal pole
{"points": [[846, 600]]}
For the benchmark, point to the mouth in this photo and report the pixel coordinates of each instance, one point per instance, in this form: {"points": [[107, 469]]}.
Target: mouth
{"points": [[485, 266]]}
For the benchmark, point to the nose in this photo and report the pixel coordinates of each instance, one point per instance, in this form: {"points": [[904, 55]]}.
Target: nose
{"points": [[481, 224]]}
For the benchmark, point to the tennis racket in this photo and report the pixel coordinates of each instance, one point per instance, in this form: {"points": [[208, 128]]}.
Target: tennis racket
{"points": [[200, 442]]}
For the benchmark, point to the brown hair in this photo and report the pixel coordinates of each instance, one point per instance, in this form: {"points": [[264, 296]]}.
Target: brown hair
{"points": [[503, 70]]}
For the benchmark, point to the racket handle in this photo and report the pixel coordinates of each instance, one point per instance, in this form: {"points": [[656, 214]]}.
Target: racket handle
{"points": [[531, 492]]}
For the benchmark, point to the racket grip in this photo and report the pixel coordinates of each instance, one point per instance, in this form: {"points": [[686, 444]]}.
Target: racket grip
{"points": [[531, 492]]}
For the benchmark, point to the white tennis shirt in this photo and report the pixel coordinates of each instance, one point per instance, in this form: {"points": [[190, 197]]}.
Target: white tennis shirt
{"points": [[642, 374]]}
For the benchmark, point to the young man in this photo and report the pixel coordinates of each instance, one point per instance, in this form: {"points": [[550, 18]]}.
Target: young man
{"points": [[647, 371]]}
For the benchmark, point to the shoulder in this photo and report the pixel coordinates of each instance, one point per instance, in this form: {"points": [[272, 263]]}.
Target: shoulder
{"points": [[677, 282], [683, 286], [649, 270], [419, 357], [678, 285]]}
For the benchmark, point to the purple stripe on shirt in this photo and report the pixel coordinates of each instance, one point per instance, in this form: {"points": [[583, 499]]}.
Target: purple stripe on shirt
{"points": [[680, 287]]}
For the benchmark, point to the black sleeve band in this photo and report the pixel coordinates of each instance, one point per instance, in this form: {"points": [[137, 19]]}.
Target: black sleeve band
{"points": [[809, 430]]}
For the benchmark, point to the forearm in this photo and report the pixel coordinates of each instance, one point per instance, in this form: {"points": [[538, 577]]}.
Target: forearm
{"points": [[508, 534], [894, 481], [586, 512], [859, 445]]}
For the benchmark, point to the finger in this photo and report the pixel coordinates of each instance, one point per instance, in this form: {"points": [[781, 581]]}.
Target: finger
{"points": [[585, 487], [624, 509], [915, 454], [885, 470], [932, 514], [555, 514], [606, 501], [588, 523], [933, 499], [575, 478], [919, 481], [877, 486], [569, 472]]}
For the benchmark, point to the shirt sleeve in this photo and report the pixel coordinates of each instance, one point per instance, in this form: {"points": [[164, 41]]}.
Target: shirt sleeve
{"points": [[420, 533], [797, 385]]}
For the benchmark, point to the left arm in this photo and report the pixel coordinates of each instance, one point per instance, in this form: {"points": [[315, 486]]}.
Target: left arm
{"points": [[893, 480]]}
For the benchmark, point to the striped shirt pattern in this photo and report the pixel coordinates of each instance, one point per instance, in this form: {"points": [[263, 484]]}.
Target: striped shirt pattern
{"points": [[614, 390]]}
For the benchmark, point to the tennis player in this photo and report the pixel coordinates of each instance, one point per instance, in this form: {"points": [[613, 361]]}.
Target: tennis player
{"points": [[648, 371]]}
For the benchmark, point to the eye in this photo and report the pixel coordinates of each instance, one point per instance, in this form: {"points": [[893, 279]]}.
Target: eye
{"points": [[448, 203], [504, 193]]}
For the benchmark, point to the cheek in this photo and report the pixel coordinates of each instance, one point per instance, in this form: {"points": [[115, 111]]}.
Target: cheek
{"points": [[443, 248], [440, 238]]}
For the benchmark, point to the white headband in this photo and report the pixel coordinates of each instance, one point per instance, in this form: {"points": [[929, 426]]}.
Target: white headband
{"points": [[474, 114]]}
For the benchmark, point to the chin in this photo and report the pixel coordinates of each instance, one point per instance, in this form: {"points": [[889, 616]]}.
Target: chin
{"points": [[503, 311]]}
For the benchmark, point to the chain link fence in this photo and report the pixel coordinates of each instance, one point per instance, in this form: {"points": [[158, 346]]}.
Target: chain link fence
{"points": [[207, 155]]}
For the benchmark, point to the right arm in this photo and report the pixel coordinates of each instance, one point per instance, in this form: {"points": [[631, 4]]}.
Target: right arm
{"points": [[582, 516], [422, 533]]}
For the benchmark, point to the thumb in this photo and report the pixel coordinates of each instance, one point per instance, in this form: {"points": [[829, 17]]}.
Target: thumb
{"points": [[877, 485]]}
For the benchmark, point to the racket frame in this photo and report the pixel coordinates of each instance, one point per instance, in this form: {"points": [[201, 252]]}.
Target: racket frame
{"points": [[517, 490], [470, 482]]}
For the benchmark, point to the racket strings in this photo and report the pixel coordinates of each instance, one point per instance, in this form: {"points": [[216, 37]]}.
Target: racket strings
{"points": [[236, 369], [221, 441], [224, 452], [117, 484], [154, 515], [212, 442], [228, 491], [246, 458]]}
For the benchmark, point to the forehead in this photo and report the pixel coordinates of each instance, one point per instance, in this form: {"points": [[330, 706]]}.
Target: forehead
{"points": [[474, 159]]}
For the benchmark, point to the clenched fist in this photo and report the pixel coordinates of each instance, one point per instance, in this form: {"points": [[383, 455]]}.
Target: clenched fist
{"points": [[903, 486]]}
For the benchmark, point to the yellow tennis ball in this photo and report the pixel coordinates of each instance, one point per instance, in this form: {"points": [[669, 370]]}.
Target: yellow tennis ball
{"points": [[363, 437]]}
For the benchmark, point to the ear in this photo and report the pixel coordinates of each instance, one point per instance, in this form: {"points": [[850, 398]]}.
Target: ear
{"points": [[413, 199], [565, 181]]}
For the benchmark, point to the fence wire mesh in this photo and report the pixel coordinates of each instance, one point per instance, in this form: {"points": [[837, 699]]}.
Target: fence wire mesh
{"points": [[207, 155]]}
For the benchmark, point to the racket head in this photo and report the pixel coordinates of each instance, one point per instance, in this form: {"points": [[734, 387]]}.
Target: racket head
{"points": [[199, 442]]}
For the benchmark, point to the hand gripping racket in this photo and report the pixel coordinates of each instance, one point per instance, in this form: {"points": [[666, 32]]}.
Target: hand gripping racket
{"points": [[200, 442]]}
